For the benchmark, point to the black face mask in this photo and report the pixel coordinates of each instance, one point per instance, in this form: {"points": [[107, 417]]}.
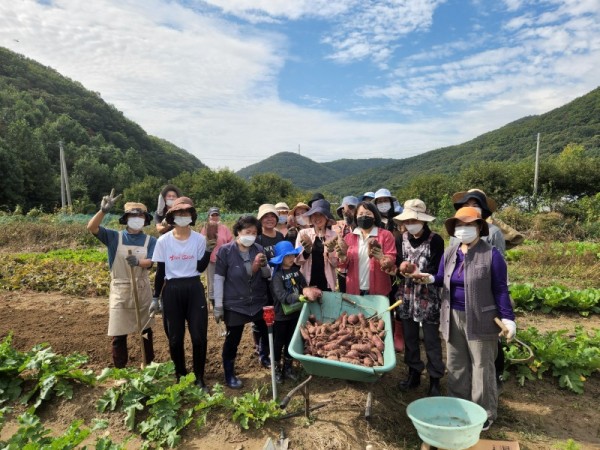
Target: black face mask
{"points": [[365, 222]]}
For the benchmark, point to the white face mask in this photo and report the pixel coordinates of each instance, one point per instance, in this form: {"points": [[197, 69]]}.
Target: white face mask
{"points": [[414, 228], [466, 235], [136, 223], [247, 239], [384, 206], [282, 219], [182, 221], [169, 202], [301, 221]]}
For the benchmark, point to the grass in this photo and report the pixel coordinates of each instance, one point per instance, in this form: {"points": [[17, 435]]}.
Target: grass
{"points": [[575, 265]]}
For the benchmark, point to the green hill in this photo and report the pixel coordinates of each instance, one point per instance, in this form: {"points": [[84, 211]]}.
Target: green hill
{"points": [[307, 174], [103, 149], [577, 122]]}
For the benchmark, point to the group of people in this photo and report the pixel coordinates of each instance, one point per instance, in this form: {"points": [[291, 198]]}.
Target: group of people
{"points": [[285, 256]]}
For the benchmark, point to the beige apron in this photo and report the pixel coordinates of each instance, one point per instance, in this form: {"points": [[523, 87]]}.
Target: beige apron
{"points": [[122, 317]]}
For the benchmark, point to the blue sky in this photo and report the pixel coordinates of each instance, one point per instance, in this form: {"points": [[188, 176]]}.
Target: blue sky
{"points": [[235, 81]]}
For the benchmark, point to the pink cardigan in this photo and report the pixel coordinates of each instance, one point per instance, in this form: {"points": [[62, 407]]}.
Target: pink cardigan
{"points": [[379, 281], [331, 259]]}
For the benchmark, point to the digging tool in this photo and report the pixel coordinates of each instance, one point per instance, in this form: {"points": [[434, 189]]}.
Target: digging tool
{"points": [[137, 313], [367, 309], [389, 308], [504, 333], [269, 318]]}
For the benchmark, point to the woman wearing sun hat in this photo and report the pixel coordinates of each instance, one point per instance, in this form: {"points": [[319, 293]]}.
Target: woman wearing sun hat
{"points": [[472, 275], [181, 256], [421, 303], [318, 259], [296, 221], [287, 285], [282, 210], [122, 319], [385, 203]]}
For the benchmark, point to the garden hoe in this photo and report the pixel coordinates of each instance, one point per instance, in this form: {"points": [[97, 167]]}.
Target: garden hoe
{"points": [[137, 313]]}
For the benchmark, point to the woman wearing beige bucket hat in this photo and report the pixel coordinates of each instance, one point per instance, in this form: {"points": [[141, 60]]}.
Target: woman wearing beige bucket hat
{"points": [[472, 275], [419, 249]]}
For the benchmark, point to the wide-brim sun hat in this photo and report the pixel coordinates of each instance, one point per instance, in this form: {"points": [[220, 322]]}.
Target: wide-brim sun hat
{"points": [[283, 249], [135, 208], [322, 207], [181, 204], [488, 204], [414, 209], [298, 206], [467, 214], [349, 200], [367, 195], [382, 193], [266, 208]]}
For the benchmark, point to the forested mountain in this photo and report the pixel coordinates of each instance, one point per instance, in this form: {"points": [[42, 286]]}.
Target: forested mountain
{"points": [[305, 173], [577, 122], [103, 149]]}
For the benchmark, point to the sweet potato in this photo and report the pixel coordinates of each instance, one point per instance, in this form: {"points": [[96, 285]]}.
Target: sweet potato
{"points": [[377, 342], [352, 319], [407, 267], [368, 362], [363, 348], [380, 325], [211, 230]]}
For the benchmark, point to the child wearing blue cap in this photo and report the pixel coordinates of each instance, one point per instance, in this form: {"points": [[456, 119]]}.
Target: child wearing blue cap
{"points": [[289, 290]]}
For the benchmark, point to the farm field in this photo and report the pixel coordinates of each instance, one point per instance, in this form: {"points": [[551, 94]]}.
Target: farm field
{"points": [[540, 414]]}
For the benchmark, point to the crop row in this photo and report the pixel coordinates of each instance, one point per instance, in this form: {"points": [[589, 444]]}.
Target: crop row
{"points": [[557, 297], [571, 358]]}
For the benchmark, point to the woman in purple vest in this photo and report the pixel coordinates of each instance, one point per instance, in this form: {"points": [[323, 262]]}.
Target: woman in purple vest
{"points": [[472, 275]]}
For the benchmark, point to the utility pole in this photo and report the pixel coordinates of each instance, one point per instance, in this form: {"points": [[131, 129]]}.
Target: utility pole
{"points": [[298, 148], [65, 190], [537, 168]]}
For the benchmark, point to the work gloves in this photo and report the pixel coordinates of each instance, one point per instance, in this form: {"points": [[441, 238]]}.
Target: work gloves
{"points": [[108, 201], [155, 306], [306, 244], [511, 326], [211, 244], [218, 313], [132, 260]]}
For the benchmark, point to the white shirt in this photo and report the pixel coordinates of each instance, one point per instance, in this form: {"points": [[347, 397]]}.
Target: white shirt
{"points": [[364, 266], [180, 257]]}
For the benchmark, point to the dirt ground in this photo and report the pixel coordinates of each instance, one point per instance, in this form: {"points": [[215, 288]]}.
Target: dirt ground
{"points": [[539, 415]]}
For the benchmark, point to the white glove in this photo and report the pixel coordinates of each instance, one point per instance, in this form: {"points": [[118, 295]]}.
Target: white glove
{"points": [[422, 278], [512, 328]]}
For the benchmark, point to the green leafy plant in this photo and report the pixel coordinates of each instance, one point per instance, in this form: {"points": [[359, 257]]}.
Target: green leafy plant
{"points": [[250, 409], [32, 435], [556, 297], [570, 358], [46, 372]]}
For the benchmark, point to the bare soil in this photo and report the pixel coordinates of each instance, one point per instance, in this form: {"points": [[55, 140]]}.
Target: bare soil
{"points": [[539, 415]]}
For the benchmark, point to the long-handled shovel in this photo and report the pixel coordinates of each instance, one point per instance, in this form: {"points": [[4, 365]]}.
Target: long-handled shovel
{"points": [[269, 318], [137, 313]]}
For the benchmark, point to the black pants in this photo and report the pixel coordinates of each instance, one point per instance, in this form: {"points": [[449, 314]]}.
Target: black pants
{"points": [[184, 301], [120, 354], [234, 336], [499, 363], [283, 331], [433, 348]]}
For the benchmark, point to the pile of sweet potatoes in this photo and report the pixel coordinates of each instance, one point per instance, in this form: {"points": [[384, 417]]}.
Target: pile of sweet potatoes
{"points": [[351, 338]]}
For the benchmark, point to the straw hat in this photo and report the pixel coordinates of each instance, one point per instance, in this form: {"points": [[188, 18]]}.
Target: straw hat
{"points": [[466, 214], [135, 208], [282, 206], [298, 206], [414, 209]]}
